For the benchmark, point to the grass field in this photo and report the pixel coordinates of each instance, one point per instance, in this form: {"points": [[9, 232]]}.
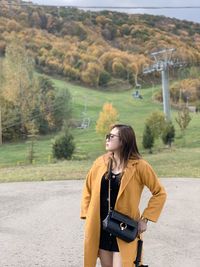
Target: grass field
{"points": [[182, 160]]}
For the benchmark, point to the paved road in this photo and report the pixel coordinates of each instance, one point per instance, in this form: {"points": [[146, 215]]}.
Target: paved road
{"points": [[40, 226]]}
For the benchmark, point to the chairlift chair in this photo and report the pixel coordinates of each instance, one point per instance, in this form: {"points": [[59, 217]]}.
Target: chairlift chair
{"points": [[137, 94]]}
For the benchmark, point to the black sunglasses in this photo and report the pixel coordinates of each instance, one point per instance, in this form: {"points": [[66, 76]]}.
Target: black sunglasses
{"points": [[111, 136]]}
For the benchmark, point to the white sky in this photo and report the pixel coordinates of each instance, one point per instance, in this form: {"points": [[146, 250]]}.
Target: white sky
{"points": [[191, 14]]}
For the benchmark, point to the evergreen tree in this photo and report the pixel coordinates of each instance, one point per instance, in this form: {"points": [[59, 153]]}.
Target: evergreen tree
{"points": [[168, 134], [63, 146], [148, 138]]}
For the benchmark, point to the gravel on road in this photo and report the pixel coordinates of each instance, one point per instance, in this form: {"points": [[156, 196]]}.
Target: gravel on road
{"points": [[40, 225]]}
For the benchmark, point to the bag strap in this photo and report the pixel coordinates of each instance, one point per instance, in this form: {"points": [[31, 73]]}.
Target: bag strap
{"points": [[109, 182]]}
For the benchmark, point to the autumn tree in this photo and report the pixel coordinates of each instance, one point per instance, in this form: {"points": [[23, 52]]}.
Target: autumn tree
{"points": [[118, 69], [53, 108], [19, 85], [183, 119], [2, 47], [1, 72], [107, 117], [185, 90], [11, 121], [91, 75]]}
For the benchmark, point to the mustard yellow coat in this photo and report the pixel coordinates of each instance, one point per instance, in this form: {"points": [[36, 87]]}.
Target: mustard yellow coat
{"points": [[137, 174]]}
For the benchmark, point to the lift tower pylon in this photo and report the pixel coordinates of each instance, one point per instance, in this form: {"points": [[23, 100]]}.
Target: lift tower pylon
{"points": [[162, 62]]}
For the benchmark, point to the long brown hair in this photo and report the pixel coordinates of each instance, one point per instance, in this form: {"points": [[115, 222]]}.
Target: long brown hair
{"points": [[129, 149]]}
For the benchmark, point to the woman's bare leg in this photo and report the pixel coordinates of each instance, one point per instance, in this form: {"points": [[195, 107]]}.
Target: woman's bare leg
{"points": [[106, 258], [117, 260]]}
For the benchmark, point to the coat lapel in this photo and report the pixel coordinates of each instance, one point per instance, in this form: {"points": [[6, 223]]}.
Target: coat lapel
{"points": [[128, 174], [102, 170]]}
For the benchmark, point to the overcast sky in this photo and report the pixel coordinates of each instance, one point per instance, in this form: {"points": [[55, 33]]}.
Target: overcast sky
{"points": [[191, 14]]}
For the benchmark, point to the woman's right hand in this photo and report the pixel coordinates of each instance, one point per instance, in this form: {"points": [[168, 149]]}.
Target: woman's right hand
{"points": [[142, 225]]}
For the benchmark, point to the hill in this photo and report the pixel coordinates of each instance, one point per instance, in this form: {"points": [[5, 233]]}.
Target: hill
{"points": [[97, 49], [105, 50]]}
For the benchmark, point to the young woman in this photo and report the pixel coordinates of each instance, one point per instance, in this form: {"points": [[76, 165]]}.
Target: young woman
{"points": [[130, 173]]}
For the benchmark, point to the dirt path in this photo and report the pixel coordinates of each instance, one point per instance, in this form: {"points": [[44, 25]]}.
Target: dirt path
{"points": [[40, 226]]}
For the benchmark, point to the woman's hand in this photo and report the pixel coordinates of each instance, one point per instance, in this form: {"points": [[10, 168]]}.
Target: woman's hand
{"points": [[142, 225]]}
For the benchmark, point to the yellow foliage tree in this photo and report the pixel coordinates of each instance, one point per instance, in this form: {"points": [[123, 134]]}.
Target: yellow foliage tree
{"points": [[107, 117]]}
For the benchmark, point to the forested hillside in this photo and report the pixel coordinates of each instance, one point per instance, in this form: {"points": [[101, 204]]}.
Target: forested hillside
{"points": [[95, 48]]}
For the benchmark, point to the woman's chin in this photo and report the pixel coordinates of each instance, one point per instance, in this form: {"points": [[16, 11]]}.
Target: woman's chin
{"points": [[108, 149]]}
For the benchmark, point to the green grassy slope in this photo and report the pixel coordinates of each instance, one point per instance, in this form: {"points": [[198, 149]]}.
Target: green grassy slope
{"points": [[181, 160]]}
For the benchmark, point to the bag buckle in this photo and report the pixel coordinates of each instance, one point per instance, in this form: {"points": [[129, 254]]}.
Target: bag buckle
{"points": [[123, 226]]}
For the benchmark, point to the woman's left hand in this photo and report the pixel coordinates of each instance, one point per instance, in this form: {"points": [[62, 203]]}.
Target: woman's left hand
{"points": [[142, 226]]}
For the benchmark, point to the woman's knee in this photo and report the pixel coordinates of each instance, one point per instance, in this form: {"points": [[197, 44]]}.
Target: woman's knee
{"points": [[117, 260]]}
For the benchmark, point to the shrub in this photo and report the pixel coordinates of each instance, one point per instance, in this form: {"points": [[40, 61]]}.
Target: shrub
{"points": [[156, 122], [63, 146]]}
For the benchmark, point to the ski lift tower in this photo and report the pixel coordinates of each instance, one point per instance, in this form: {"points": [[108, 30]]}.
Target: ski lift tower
{"points": [[162, 62]]}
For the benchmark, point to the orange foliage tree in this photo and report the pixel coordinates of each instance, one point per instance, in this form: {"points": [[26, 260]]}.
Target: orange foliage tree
{"points": [[107, 117]]}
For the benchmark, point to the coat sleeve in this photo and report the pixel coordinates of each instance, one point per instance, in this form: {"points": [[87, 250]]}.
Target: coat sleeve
{"points": [[156, 202], [86, 195]]}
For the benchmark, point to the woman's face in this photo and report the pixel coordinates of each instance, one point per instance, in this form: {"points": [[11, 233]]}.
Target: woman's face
{"points": [[113, 142]]}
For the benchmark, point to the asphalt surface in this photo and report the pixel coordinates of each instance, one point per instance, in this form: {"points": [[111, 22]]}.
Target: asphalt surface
{"points": [[40, 225]]}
